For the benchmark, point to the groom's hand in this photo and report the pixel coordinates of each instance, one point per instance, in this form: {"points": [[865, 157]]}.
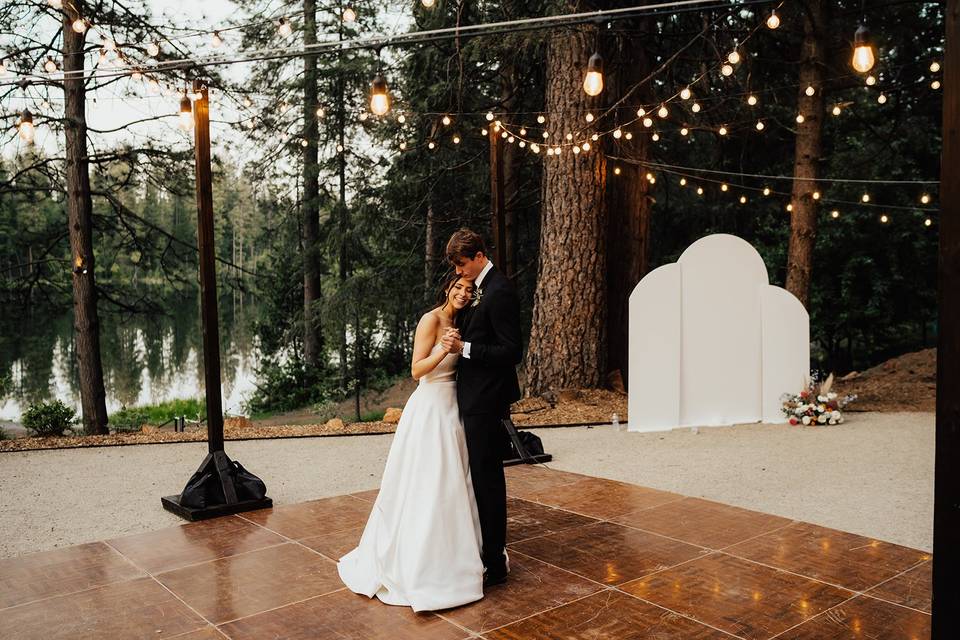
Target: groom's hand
{"points": [[451, 341]]}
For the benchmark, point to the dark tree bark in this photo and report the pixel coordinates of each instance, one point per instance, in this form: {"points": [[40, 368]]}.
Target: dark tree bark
{"points": [[312, 331], [628, 197], [431, 259], [568, 337], [86, 321], [803, 221], [509, 92]]}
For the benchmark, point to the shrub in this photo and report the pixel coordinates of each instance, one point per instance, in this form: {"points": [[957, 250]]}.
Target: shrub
{"points": [[129, 420], [48, 419], [372, 416], [4, 435]]}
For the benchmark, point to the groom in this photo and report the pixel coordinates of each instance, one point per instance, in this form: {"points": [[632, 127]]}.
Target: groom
{"points": [[490, 348]]}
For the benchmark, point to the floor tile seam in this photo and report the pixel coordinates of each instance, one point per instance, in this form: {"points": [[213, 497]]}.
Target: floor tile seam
{"points": [[905, 571], [602, 519], [660, 535], [896, 604], [550, 564], [547, 610], [470, 632], [279, 606], [793, 573], [297, 542], [814, 617], [202, 562], [682, 615], [653, 573], [186, 633], [760, 535]]}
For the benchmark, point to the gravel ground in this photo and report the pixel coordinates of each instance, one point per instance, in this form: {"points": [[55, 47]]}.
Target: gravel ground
{"points": [[872, 475]]}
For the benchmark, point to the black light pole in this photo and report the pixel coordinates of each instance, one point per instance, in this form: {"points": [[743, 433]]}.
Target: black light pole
{"points": [[219, 487], [946, 494]]}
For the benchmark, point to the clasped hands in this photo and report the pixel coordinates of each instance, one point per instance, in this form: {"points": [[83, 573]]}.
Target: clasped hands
{"points": [[451, 341]]}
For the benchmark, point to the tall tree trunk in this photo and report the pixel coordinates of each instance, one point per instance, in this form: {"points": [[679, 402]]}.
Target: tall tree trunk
{"points": [[568, 337], [509, 96], [86, 322], [803, 221], [312, 332], [431, 257], [628, 196], [342, 204]]}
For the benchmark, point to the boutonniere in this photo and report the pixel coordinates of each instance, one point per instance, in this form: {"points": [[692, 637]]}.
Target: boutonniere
{"points": [[477, 296]]}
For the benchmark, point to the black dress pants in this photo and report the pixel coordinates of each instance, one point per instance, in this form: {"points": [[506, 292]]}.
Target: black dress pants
{"points": [[486, 440]]}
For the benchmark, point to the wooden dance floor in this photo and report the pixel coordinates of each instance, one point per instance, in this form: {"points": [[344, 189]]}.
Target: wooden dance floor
{"points": [[591, 559]]}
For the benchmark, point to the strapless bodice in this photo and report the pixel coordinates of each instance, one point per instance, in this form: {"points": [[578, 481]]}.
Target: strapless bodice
{"points": [[446, 371]]}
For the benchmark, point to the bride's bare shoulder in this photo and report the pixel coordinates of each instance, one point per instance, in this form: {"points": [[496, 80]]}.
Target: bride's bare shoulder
{"points": [[429, 320]]}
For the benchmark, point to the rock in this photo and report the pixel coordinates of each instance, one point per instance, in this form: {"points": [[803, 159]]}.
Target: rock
{"points": [[336, 424], [851, 376], [568, 395], [392, 415], [615, 382], [238, 422]]}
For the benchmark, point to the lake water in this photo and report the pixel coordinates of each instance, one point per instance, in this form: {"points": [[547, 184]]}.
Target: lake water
{"points": [[145, 359]]}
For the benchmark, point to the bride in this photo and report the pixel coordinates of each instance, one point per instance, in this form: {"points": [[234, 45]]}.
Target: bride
{"points": [[421, 546]]}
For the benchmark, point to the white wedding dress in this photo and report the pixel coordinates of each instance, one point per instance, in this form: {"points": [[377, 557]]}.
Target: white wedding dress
{"points": [[421, 545]]}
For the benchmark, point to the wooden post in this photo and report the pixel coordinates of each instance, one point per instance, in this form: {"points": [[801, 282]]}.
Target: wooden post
{"points": [[946, 494], [208, 275], [498, 223]]}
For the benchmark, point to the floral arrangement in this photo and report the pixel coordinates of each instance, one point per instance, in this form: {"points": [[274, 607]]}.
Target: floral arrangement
{"points": [[816, 405]]}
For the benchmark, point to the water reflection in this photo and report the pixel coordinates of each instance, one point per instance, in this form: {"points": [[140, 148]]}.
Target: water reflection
{"points": [[145, 359]]}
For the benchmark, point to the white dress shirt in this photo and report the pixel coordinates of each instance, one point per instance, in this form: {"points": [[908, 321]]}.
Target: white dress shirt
{"points": [[476, 285]]}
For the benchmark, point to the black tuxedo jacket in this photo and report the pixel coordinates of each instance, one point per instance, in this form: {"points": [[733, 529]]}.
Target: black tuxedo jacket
{"points": [[487, 380]]}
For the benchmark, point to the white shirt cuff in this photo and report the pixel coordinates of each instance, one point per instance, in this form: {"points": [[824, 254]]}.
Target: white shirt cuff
{"points": [[466, 350]]}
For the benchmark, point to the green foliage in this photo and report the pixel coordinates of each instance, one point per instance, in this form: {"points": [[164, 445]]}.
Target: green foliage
{"points": [[48, 419], [133, 418], [289, 385], [372, 416], [4, 435]]}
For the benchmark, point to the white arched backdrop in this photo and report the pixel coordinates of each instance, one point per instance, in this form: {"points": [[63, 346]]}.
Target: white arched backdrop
{"points": [[712, 342]]}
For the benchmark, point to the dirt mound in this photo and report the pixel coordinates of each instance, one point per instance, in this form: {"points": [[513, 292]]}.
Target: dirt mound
{"points": [[904, 383]]}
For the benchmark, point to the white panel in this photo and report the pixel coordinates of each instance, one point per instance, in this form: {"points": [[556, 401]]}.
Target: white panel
{"points": [[720, 376], [655, 345], [786, 348]]}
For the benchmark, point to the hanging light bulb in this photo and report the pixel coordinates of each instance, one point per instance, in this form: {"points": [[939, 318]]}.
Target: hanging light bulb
{"points": [[724, 187], [766, 191], [546, 134], [153, 49], [446, 121], [50, 66], [427, 4], [617, 133], [569, 136], [522, 144], [541, 118], [834, 214], [935, 84], [684, 131], [810, 90], [925, 199], [871, 80], [186, 113], [655, 137], [662, 112], [865, 197], [431, 145], [733, 57], [589, 117], [56, 4], [752, 100], [534, 147], [934, 66], [641, 112], [816, 195], [648, 122], [760, 125], [25, 127], [884, 218], [743, 199], [349, 15], [722, 131], [685, 93], [593, 80], [79, 25], [523, 131], [863, 54], [699, 191], [836, 110], [379, 98], [800, 118], [882, 99], [456, 139], [284, 27], [726, 69], [616, 171], [628, 135], [790, 207], [927, 222], [683, 182], [773, 20], [216, 40], [586, 146], [695, 107]]}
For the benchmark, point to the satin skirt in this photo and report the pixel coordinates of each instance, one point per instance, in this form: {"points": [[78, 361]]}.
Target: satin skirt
{"points": [[421, 545]]}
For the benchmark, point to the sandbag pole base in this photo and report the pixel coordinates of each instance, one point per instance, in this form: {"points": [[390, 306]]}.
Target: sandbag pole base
{"points": [[217, 463], [525, 456]]}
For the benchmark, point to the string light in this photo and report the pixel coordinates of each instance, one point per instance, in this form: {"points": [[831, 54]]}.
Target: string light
{"points": [[340, 148], [800, 118], [284, 27], [403, 145], [925, 199], [586, 146], [773, 20], [25, 127], [882, 99], [523, 131], [816, 195], [50, 66], [446, 121], [648, 122], [743, 199], [684, 131], [456, 139], [834, 214], [663, 112], [790, 207], [349, 15], [810, 90], [766, 191], [884, 218], [726, 69], [685, 93], [641, 112], [935, 84], [569, 136], [871, 80], [695, 107], [655, 137], [484, 132], [79, 25], [546, 134], [683, 182], [616, 171], [427, 4], [865, 197], [760, 125], [863, 54], [836, 110], [752, 100], [722, 131], [927, 222], [534, 147], [541, 118], [304, 143], [153, 49], [593, 80], [431, 145], [628, 136], [379, 98], [934, 66], [186, 113], [510, 139], [733, 57], [589, 117], [216, 40], [56, 4], [618, 133], [699, 191]]}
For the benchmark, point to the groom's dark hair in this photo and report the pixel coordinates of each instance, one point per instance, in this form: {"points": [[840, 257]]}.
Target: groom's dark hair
{"points": [[464, 244]]}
